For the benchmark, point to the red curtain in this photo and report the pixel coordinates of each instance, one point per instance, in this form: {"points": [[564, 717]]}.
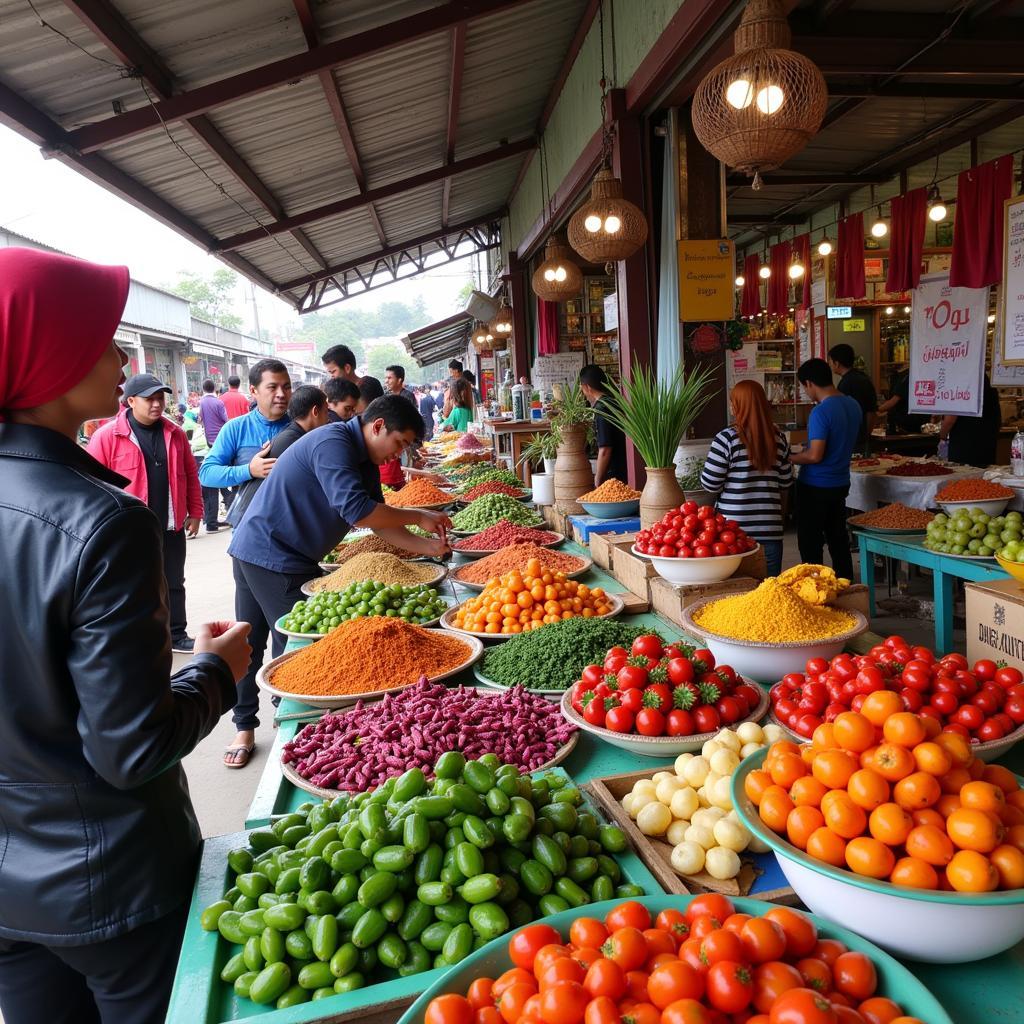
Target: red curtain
{"points": [[778, 283], [751, 302], [909, 214], [547, 327], [850, 258], [978, 228], [802, 248]]}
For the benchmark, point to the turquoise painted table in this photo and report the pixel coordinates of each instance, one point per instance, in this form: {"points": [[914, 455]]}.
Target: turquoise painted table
{"points": [[945, 569]]}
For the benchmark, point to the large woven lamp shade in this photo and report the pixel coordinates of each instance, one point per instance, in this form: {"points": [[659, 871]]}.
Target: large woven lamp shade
{"points": [[558, 278], [607, 227], [482, 338], [764, 104], [501, 325]]}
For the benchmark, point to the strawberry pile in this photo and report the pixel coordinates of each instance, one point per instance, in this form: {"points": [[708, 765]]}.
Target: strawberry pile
{"points": [[656, 690], [693, 531]]}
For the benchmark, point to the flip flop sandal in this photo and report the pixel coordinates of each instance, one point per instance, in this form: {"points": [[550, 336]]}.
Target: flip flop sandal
{"points": [[242, 759]]}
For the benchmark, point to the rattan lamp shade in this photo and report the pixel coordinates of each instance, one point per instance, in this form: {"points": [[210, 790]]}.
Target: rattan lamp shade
{"points": [[607, 227], [557, 279], [501, 325], [764, 104]]}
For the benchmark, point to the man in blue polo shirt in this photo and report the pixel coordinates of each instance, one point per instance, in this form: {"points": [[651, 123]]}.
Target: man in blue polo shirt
{"points": [[322, 486], [824, 480]]}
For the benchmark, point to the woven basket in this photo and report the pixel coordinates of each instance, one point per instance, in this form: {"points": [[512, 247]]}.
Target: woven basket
{"points": [[605, 201], [557, 254]]}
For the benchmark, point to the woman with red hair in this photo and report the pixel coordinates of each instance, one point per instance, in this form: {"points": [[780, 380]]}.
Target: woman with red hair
{"points": [[748, 468], [98, 839]]}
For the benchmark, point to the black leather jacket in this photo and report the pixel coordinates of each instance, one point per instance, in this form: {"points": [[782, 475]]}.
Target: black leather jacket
{"points": [[97, 831]]}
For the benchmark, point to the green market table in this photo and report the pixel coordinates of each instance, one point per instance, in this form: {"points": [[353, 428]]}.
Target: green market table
{"points": [[970, 992]]}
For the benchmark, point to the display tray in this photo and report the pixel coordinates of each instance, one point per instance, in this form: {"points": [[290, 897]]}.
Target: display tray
{"points": [[437, 507], [966, 558], [439, 575], [265, 678], [450, 601], [556, 540], [884, 531], [446, 621], [523, 496], [585, 565], [540, 692]]}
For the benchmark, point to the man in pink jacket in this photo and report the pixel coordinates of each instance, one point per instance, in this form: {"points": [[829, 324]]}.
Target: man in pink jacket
{"points": [[155, 457]]}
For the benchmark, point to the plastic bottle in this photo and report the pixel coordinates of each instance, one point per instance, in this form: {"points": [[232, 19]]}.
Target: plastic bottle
{"points": [[1017, 454], [519, 402]]}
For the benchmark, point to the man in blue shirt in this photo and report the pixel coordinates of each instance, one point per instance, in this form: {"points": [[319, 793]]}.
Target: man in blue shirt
{"points": [[321, 487], [824, 480]]}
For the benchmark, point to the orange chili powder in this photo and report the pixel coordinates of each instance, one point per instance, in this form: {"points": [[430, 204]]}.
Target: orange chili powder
{"points": [[417, 493], [516, 556]]}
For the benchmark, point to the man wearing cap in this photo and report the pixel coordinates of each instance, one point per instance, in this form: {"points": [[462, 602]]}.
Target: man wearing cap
{"points": [[155, 456]]}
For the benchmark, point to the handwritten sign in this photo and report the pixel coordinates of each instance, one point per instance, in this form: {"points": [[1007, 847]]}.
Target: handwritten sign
{"points": [[1011, 320], [853, 326], [707, 267], [947, 348], [563, 368]]}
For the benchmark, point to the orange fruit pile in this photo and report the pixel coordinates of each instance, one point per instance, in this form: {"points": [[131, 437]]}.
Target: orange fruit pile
{"points": [[883, 793], [521, 601]]}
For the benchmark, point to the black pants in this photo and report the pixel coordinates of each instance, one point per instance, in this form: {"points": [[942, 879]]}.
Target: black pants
{"points": [[261, 598], [126, 980], [174, 573], [211, 500], [821, 518]]}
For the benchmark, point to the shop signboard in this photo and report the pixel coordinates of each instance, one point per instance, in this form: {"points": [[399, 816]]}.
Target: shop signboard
{"points": [[853, 326], [948, 331], [707, 268], [1011, 321]]}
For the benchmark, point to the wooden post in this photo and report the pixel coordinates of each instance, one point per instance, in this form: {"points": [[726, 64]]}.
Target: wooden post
{"points": [[521, 295]]}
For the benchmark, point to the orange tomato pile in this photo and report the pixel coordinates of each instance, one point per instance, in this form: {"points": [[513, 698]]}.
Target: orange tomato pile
{"points": [[520, 601], [705, 965], [884, 793]]}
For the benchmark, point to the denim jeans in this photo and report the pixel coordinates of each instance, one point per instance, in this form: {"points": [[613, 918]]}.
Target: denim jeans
{"points": [[772, 556]]}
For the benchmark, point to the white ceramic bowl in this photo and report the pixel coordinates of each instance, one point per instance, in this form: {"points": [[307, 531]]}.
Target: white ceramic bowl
{"points": [[991, 508], [769, 662], [919, 924], [689, 571]]}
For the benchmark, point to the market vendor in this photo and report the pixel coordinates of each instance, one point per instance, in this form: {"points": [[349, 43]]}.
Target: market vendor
{"points": [[897, 407], [99, 842], [611, 441], [972, 439], [324, 485]]}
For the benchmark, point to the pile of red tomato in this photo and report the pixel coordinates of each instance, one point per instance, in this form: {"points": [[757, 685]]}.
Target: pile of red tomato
{"points": [[656, 690], [706, 964], [983, 703], [693, 532]]}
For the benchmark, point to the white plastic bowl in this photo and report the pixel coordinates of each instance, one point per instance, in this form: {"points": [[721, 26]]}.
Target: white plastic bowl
{"points": [[689, 571], [994, 507], [769, 662], [919, 924]]}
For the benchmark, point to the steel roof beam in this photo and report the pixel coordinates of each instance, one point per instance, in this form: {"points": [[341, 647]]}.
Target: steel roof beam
{"points": [[109, 26], [810, 178], [286, 71], [355, 202], [924, 90], [454, 100], [858, 55]]}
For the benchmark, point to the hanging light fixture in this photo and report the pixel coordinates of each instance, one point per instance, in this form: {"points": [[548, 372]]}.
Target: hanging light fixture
{"points": [[607, 227], [481, 337], [879, 229], [936, 207], [558, 278], [765, 272], [740, 280], [824, 247], [796, 267], [501, 325], [889, 311], [765, 103]]}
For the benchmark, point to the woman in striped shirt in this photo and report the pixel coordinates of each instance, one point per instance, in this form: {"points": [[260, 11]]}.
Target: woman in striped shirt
{"points": [[748, 468]]}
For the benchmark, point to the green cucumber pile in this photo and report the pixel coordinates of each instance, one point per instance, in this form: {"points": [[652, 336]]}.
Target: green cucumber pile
{"points": [[413, 876]]}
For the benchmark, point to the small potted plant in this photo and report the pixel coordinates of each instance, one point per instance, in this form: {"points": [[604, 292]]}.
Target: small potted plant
{"points": [[543, 449], [574, 419]]}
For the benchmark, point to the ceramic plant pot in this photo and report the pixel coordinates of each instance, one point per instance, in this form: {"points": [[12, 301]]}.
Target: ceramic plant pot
{"points": [[661, 493], [573, 475]]}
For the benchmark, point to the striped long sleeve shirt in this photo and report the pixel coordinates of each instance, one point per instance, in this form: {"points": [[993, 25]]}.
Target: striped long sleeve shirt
{"points": [[753, 499]]}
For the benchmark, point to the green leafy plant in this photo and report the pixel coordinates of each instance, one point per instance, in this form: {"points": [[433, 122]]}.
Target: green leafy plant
{"points": [[541, 446], [655, 415], [572, 408]]}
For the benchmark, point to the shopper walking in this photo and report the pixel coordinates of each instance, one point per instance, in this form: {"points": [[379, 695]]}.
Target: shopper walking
{"points": [[748, 469], [234, 401], [100, 839], [155, 457], [824, 480], [213, 414]]}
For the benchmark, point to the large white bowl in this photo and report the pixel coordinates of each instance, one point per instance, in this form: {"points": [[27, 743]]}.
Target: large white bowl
{"points": [[992, 508], [919, 924], [769, 662], [689, 571]]}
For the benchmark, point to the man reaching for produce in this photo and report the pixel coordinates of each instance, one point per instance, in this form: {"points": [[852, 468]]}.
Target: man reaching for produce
{"points": [[292, 523]]}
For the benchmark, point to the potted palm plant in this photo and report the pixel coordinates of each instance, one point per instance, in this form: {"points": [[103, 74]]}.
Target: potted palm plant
{"points": [[543, 449], [573, 418], [655, 416]]}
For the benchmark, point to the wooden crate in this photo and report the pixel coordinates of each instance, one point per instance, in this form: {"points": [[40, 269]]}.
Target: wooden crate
{"points": [[633, 573], [555, 520], [602, 546], [633, 604], [760, 877], [670, 601]]}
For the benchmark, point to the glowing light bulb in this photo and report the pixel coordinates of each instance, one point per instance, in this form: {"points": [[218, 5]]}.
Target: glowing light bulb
{"points": [[796, 271], [937, 211], [765, 273], [889, 311], [879, 229], [824, 247], [906, 309], [739, 94], [740, 281], [612, 224], [561, 274], [991, 318], [592, 223], [549, 274], [769, 99]]}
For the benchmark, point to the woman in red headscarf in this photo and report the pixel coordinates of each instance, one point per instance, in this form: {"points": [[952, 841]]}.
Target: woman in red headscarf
{"points": [[98, 839]]}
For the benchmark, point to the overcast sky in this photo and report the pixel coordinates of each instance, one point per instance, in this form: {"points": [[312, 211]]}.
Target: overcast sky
{"points": [[50, 203]]}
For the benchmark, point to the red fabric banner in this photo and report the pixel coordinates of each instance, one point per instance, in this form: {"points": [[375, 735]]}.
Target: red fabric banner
{"points": [[547, 328], [850, 258], [778, 283], [802, 248], [978, 228], [750, 304], [909, 214]]}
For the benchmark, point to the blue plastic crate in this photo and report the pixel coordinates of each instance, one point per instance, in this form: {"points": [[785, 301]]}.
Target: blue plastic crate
{"points": [[584, 526]]}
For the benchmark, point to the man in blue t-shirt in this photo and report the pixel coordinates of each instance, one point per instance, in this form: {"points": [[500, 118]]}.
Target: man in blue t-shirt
{"points": [[824, 480], [321, 487]]}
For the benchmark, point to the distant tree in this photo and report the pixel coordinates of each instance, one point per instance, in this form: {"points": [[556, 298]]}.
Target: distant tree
{"points": [[211, 297], [384, 355], [465, 292]]}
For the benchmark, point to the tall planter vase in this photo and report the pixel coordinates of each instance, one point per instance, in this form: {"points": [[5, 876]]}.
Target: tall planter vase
{"points": [[573, 475], [661, 493]]}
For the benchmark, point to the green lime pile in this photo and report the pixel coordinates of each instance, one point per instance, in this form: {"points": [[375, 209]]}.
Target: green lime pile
{"points": [[973, 532], [491, 509], [320, 614]]}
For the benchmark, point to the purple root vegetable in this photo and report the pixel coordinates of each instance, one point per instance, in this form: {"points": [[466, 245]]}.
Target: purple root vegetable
{"points": [[362, 747]]}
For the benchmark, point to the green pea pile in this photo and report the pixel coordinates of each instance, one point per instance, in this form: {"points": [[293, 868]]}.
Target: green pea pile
{"points": [[492, 508], [320, 614], [413, 876], [488, 475]]}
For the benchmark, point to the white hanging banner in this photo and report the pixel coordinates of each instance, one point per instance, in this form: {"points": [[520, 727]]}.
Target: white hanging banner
{"points": [[948, 329]]}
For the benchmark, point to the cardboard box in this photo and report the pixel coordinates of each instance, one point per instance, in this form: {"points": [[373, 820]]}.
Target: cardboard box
{"points": [[602, 546], [995, 622], [670, 601], [633, 573]]}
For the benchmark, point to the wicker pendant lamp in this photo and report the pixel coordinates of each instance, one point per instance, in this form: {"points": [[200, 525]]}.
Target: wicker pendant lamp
{"points": [[482, 338], [558, 278], [765, 103], [607, 227], [501, 325]]}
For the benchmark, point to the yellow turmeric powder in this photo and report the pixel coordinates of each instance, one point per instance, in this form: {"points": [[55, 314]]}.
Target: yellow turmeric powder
{"points": [[815, 584], [770, 613]]}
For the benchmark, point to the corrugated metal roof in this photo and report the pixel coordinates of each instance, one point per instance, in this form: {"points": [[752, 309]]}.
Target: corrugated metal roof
{"points": [[440, 340]]}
